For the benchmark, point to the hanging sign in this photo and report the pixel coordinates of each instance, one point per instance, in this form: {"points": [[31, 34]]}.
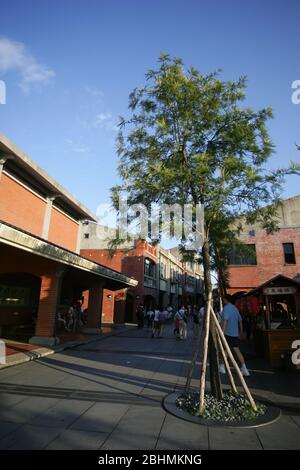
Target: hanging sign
{"points": [[279, 290]]}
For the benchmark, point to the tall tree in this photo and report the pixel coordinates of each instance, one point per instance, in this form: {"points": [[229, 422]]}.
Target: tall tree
{"points": [[188, 139]]}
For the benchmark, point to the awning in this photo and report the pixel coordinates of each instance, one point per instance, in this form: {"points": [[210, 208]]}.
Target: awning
{"points": [[15, 237]]}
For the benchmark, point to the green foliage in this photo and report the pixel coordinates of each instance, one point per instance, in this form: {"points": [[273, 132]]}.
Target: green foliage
{"points": [[189, 139]]}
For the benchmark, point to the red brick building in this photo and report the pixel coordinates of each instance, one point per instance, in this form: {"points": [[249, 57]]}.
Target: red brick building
{"points": [[162, 278], [269, 255], [41, 271], [120, 306]]}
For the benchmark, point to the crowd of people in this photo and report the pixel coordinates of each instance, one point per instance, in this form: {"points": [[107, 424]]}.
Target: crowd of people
{"points": [[230, 320], [72, 319], [155, 319]]}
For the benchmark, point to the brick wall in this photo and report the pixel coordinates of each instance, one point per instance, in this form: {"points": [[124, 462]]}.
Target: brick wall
{"points": [[108, 306], [130, 263], [14, 260], [270, 260], [20, 207], [62, 231]]}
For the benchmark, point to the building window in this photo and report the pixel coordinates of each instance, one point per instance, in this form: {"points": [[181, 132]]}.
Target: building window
{"points": [[289, 253], [242, 255], [86, 235], [149, 268], [163, 271]]}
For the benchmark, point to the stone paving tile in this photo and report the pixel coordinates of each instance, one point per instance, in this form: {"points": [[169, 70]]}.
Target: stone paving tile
{"points": [[29, 437], [283, 434], [7, 428], [138, 429], [296, 419], [63, 414], [177, 434], [27, 409], [73, 383], [111, 392], [101, 417], [221, 438], [9, 399], [72, 439], [9, 372], [35, 378]]}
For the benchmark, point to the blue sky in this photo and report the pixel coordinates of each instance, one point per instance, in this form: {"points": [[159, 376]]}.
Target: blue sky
{"points": [[69, 67]]}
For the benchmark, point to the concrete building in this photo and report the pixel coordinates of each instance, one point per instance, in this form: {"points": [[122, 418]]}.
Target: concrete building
{"points": [[162, 278], [269, 255], [41, 271]]}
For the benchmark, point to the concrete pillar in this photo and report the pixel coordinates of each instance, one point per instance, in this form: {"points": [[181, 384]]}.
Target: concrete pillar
{"points": [[49, 297], [79, 235], [47, 217], [93, 325]]}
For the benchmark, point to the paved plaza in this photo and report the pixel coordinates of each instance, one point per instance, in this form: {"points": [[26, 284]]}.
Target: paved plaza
{"points": [[107, 394]]}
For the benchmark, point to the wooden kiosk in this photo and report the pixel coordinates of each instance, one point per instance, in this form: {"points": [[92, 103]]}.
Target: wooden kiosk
{"points": [[279, 322]]}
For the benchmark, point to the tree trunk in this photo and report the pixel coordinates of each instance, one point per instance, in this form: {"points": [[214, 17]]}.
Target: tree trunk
{"points": [[215, 381]]}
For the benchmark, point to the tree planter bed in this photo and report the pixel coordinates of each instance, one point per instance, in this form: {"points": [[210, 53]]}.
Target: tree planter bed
{"points": [[185, 406]]}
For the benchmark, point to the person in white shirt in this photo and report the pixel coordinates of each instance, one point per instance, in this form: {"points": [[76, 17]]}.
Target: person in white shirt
{"points": [[181, 316], [150, 316], [169, 314], [156, 324]]}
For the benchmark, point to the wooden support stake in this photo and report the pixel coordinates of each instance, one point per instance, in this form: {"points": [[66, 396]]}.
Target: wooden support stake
{"points": [[235, 365], [192, 366], [204, 360], [226, 363]]}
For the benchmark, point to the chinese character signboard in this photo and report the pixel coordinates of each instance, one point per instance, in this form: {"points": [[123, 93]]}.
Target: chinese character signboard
{"points": [[279, 290]]}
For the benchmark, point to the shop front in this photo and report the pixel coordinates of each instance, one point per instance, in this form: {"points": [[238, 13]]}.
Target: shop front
{"points": [[40, 282], [275, 310]]}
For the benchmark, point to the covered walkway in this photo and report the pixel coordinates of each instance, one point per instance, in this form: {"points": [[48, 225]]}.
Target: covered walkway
{"points": [[39, 280]]}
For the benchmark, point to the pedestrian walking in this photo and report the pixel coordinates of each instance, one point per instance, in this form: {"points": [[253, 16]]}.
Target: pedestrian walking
{"points": [[176, 328], [156, 324], [196, 322], [61, 321], [162, 319], [140, 316], [150, 316], [71, 317], [169, 315], [201, 317], [232, 326], [181, 316]]}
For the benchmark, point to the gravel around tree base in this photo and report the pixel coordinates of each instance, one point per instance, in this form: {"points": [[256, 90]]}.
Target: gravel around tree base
{"points": [[233, 408]]}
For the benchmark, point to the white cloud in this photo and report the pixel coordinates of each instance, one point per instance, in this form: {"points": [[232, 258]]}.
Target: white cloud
{"points": [[105, 121], [14, 56], [94, 92], [102, 118], [77, 148]]}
